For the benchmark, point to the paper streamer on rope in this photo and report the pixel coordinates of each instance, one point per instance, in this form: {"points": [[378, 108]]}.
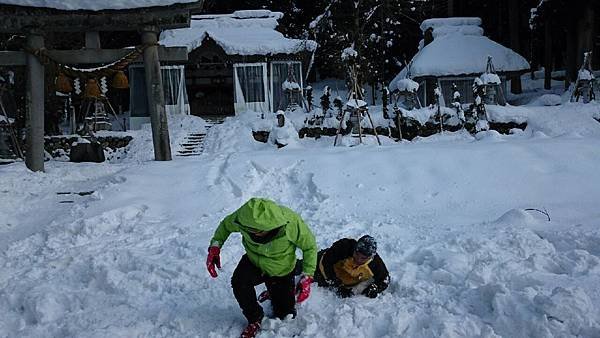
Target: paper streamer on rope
{"points": [[103, 85], [77, 86]]}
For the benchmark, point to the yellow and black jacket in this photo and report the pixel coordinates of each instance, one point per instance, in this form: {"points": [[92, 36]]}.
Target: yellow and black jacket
{"points": [[336, 268]]}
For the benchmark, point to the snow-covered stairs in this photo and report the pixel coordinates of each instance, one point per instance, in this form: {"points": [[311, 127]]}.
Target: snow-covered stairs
{"points": [[193, 144]]}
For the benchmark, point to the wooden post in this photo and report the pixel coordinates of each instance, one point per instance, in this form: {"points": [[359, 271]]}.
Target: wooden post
{"points": [[34, 158], [156, 97]]}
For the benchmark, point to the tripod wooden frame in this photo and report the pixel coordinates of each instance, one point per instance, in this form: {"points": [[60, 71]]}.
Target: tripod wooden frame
{"points": [[356, 94]]}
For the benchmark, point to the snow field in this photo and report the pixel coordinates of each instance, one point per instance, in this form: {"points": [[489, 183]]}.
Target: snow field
{"points": [[466, 259]]}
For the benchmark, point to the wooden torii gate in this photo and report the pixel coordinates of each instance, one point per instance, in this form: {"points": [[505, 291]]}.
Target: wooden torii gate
{"points": [[35, 22]]}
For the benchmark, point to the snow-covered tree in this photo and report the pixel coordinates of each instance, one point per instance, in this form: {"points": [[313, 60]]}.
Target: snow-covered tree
{"points": [[374, 29], [457, 104]]}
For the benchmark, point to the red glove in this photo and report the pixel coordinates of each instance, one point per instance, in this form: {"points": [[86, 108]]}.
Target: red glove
{"points": [[212, 260], [303, 288]]}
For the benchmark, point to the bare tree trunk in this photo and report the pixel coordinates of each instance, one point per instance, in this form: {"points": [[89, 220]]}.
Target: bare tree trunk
{"points": [[548, 52], [585, 28], [571, 49], [513, 23]]}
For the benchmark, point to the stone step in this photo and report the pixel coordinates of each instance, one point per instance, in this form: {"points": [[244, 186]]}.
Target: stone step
{"points": [[188, 155]]}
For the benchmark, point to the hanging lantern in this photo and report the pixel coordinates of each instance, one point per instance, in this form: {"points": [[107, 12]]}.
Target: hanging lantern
{"points": [[91, 89], [120, 81], [63, 83]]}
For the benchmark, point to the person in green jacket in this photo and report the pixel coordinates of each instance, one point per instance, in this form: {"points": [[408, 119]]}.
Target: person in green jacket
{"points": [[270, 235]]}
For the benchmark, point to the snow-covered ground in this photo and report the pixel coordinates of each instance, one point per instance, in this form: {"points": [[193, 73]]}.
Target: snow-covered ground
{"points": [[465, 257]]}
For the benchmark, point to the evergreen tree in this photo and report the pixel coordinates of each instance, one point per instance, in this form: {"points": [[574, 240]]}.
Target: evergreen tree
{"points": [[374, 28]]}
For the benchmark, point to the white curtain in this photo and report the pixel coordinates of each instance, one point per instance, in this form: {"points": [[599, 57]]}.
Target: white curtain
{"points": [[176, 100], [251, 87]]}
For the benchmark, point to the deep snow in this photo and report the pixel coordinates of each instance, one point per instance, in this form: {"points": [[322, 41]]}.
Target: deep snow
{"points": [[465, 257]]}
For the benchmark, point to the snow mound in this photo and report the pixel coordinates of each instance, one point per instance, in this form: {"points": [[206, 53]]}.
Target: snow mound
{"points": [[570, 308], [236, 133], [489, 135], [516, 217]]}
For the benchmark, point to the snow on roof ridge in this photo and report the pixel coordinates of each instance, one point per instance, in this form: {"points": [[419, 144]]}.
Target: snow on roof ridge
{"points": [[256, 14], [453, 21], [242, 14], [250, 32]]}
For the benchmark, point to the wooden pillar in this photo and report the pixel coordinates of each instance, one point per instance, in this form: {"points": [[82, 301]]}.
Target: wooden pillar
{"points": [[156, 98], [34, 158]]}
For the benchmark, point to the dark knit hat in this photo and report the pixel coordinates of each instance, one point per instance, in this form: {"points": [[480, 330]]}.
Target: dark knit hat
{"points": [[366, 245]]}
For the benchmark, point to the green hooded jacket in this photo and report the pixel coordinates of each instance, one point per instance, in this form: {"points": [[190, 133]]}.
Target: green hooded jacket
{"points": [[278, 256]]}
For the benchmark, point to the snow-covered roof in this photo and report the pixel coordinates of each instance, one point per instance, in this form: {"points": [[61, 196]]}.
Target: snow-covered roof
{"points": [[250, 32], [459, 48], [93, 5]]}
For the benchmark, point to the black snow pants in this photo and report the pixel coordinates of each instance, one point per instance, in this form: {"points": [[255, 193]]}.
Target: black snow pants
{"points": [[281, 289]]}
